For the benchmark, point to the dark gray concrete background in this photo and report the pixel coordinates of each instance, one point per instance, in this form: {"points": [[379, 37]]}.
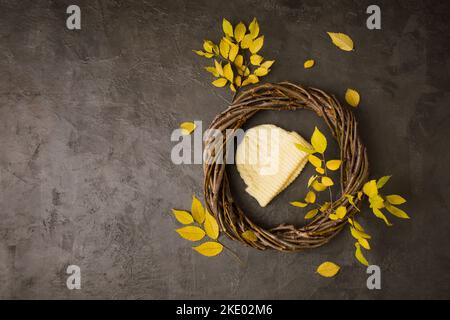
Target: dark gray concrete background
{"points": [[85, 124]]}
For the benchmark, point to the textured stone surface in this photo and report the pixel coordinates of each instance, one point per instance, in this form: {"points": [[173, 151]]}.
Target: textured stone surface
{"points": [[85, 124]]}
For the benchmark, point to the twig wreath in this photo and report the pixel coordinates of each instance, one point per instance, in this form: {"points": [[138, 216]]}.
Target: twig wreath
{"points": [[237, 63], [354, 169]]}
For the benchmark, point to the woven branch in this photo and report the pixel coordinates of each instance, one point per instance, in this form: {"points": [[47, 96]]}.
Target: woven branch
{"points": [[354, 169]]}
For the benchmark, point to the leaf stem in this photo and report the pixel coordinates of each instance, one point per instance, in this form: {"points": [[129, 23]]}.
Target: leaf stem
{"points": [[232, 253]]}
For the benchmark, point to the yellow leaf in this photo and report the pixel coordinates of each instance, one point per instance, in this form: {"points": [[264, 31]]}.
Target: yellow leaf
{"points": [[320, 170], [341, 212], [208, 46], [191, 233], [221, 82], [197, 210], [358, 234], [218, 67], [355, 224], [395, 199], [333, 164], [310, 197], [239, 61], [232, 87], [246, 42], [311, 214], [308, 64], [182, 216], [304, 149], [227, 27], [352, 97], [257, 44], [234, 49], [199, 52], [228, 72], [341, 40], [254, 28], [325, 207], [216, 49], [298, 204], [328, 269], [267, 64], [370, 188], [212, 70], [350, 199], [359, 195], [333, 216], [250, 79], [377, 212], [327, 182], [211, 226], [376, 201], [318, 141], [224, 48], [311, 180], [399, 213], [187, 128], [256, 59], [239, 31], [318, 186], [209, 249], [260, 72], [238, 81], [364, 243], [382, 181], [247, 72], [359, 255], [249, 235], [315, 161], [209, 55]]}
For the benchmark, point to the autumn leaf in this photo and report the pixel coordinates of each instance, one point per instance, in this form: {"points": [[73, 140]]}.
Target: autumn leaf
{"points": [[208, 46], [211, 226], [377, 212], [209, 249], [350, 199], [318, 141], [320, 170], [246, 42], [249, 235], [239, 61], [187, 128], [256, 45], [328, 269], [182, 216], [298, 204], [239, 32], [341, 40], [221, 82], [260, 72], [308, 64], [364, 243], [395, 199], [234, 50], [352, 97], [370, 188], [399, 213], [310, 197], [254, 28], [218, 67], [341, 212], [311, 180], [358, 234], [232, 87], [228, 72], [213, 71], [224, 48], [333, 164], [304, 149], [318, 186], [356, 225], [197, 210], [191, 233], [327, 182], [325, 207], [359, 255], [382, 181], [315, 161], [256, 59], [267, 64], [311, 214], [227, 27]]}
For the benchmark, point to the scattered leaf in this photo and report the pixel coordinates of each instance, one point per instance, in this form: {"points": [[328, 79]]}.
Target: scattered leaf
{"points": [[227, 27], [311, 214], [308, 64], [333, 164], [310, 197], [232, 87], [254, 28], [320, 170], [197, 210], [359, 195], [327, 182], [187, 128], [325, 207], [311, 180], [213, 71], [298, 204], [395, 199], [315, 161], [377, 212], [304, 149], [356, 225], [318, 186], [239, 32], [364, 243], [328, 269], [370, 188], [249, 235], [208, 46], [218, 67], [267, 64], [182, 216], [211, 226], [357, 234], [260, 72], [341, 40], [256, 45], [221, 82], [333, 216], [191, 233], [399, 213], [318, 141], [352, 97], [209, 249], [382, 181], [359, 255], [341, 212]]}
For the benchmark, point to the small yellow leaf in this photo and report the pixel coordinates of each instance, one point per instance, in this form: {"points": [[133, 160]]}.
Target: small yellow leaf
{"points": [[227, 27], [250, 79], [211, 226], [213, 71], [359, 195], [310, 197], [247, 72], [327, 182], [320, 170], [208, 55], [239, 31], [359, 255], [364, 243], [370, 188], [311, 214], [311, 180], [228, 72], [191, 233], [209, 249], [218, 67], [254, 28], [267, 64], [182, 216], [376, 201], [341, 212], [224, 48], [377, 212], [350, 199], [216, 49], [352, 97], [208, 46], [221, 82], [238, 81], [197, 210], [358, 234], [308, 64], [232, 87], [246, 42], [318, 141], [356, 225], [199, 52], [318, 186], [333, 164], [341, 40], [249, 235], [395, 199], [187, 128], [304, 149], [257, 44], [260, 72], [382, 181], [399, 213], [256, 59], [333, 216], [298, 204], [315, 161], [239, 61], [328, 269], [234, 49], [325, 207]]}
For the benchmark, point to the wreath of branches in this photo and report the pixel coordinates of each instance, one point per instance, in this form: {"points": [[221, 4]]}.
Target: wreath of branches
{"points": [[354, 169]]}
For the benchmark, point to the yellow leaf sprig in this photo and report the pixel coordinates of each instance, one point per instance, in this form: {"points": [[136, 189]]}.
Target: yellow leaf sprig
{"points": [[237, 62]]}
